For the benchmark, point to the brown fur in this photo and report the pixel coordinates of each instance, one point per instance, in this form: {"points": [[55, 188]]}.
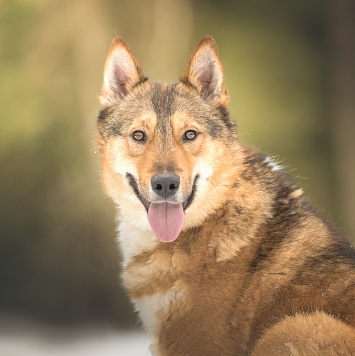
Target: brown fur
{"points": [[304, 335], [255, 270]]}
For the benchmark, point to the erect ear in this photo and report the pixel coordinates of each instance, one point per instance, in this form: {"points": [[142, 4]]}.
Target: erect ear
{"points": [[204, 71], [120, 74]]}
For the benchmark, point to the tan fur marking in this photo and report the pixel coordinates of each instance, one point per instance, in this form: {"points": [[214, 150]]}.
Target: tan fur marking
{"points": [[234, 237], [297, 193]]}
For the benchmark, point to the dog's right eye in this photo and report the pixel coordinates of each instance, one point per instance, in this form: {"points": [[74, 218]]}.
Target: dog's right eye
{"points": [[138, 136], [190, 135]]}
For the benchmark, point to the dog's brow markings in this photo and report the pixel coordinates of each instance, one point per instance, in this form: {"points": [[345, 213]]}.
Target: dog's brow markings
{"points": [[163, 101]]}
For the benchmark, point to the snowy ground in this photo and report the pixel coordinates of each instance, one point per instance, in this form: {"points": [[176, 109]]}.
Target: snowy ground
{"points": [[27, 339]]}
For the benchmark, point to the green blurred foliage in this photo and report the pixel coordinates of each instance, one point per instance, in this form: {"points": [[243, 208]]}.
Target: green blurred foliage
{"points": [[58, 256]]}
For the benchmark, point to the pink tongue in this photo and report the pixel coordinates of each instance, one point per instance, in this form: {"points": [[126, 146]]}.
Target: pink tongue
{"points": [[166, 220]]}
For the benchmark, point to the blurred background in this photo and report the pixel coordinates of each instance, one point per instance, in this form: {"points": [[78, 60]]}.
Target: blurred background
{"points": [[290, 71]]}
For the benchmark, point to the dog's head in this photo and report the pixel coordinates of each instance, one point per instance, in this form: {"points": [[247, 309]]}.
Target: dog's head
{"points": [[169, 152]]}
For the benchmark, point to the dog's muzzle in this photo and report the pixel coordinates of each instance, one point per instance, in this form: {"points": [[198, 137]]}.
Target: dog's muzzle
{"points": [[165, 216]]}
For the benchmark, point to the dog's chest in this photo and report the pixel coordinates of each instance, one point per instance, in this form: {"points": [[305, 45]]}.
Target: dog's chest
{"points": [[149, 276], [155, 309], [156, 294]]}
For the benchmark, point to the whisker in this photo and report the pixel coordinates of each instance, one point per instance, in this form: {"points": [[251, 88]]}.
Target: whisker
{"points": [[112, 177], [213, 185], [128, 195]]}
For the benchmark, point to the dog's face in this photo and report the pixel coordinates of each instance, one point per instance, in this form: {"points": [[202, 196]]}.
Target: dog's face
{"points": [[169, 151]]}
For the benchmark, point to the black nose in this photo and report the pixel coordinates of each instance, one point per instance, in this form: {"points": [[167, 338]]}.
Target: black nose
{"points": [[165, 185]]}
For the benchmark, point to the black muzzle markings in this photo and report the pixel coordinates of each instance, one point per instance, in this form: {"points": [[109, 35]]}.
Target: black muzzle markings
{"points": [[134, 185], [191, 197]]}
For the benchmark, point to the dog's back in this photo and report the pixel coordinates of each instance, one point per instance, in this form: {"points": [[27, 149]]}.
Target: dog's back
{"points": [[222, 253]]}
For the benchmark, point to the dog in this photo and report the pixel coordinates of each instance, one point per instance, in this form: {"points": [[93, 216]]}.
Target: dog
{"points": [[222, 253]]}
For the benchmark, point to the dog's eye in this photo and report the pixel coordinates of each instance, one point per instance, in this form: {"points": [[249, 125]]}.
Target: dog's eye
{"points": [[190, 135], [138, 136]]}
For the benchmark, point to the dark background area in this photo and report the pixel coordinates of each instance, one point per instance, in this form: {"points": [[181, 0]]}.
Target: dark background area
{"points": [[289, 67]]}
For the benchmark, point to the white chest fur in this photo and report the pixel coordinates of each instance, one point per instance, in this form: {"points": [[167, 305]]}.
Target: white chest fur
{"points": [[133, 241], [154, 308]]}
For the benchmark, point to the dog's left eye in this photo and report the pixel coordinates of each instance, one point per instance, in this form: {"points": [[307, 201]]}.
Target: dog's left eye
{"points": [[138, 136], [190, 135]]}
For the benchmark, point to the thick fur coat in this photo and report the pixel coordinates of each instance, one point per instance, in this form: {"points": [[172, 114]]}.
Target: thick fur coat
{"points": [[222, 253]]}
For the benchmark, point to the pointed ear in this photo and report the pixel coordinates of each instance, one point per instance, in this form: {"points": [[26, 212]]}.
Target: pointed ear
{"points": [[121, 73], [204, 71]]}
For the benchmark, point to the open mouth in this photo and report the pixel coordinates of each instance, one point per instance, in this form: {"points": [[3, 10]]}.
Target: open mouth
{"points": [[165, 218]]}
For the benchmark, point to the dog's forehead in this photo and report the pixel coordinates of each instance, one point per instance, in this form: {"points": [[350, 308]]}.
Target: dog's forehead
{"points": [[160, 101], [164, 100], [169, 100]]}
